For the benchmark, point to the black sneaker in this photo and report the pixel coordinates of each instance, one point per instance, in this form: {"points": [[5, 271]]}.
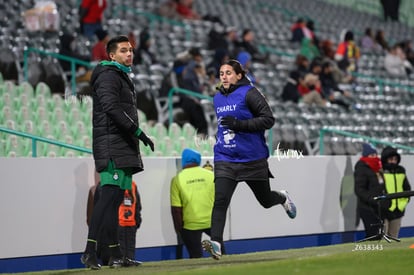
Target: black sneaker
{"points": [[129, 262], [115, 262], [90, 261]]}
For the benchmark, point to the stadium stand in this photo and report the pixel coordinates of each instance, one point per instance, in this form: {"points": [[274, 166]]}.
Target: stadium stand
{"points": [[384, 103]]}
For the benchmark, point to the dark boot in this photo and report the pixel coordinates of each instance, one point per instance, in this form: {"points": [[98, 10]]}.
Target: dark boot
{"points": [[90, 261], [116, 256]]}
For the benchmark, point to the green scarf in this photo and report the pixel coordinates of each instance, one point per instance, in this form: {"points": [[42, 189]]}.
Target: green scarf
{"points": [[123, 68]]}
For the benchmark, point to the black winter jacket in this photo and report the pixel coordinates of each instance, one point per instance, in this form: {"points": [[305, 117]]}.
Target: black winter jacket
{"points": [[115, 120], [368, 186]]}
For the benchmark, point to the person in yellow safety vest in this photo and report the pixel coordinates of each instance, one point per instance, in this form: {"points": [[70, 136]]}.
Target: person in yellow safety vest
{"points": [[192, 199], [396, 181]]}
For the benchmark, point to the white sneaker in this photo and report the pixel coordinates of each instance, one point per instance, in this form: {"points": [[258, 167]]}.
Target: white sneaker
{"points": [[212, 247], [289, 206]]}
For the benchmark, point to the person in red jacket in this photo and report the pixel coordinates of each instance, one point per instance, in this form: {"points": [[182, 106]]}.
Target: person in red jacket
{"points": [[99, 49], [90, 16]]}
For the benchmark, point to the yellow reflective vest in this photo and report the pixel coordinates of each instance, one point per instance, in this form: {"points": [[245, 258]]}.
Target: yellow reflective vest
{"points": [[394, 184]]}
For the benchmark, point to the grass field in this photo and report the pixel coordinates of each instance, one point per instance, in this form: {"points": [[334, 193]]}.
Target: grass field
{"points": [[365, 258]]}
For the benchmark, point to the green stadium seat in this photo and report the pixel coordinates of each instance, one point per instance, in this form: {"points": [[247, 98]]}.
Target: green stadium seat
{"points": [[45, 128], [42, 89], [10, 87], [28, 126], [174, 130], [158, 130], [61, 129], [25, 88], [188, 130], [8, 113]]}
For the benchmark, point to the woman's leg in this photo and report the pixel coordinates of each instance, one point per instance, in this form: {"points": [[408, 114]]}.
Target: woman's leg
{"points": [[224, 189], [264, 195]]}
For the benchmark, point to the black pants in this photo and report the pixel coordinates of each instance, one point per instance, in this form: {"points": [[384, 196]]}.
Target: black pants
{"points": [[391, 9], [224, 191], [371, 221], [192, 241], [127, 239], [105, 214]]}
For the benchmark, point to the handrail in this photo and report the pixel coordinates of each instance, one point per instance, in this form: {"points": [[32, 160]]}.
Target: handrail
{"points": [[382, 82], [181, 91], [324, 130], [154, 18], [35, 139], [191, 93], [73, 63]]}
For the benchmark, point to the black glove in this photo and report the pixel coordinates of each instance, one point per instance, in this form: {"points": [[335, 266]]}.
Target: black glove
{"points": [[231, 122], [146, 140]]}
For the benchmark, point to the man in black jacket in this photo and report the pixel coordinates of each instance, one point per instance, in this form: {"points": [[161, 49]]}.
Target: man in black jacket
{"points": [[115, 148]]}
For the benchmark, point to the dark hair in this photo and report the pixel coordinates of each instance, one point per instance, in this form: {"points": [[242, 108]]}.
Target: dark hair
{"points": [[113, 43], [349, 35], [236, 65]]}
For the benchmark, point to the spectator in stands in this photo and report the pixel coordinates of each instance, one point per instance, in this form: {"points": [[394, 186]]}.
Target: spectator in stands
{"points": [[115, 126], [330, 89], [368, 41], [407, 47], [247, 44], [91, 16], [395, 180], [369, 183], [185, 9], [240, 153], [311, 91], [302, 64], [99, 49], [220, 56], [381, 40], [395, 62], [347, 54], [192, 199], [168, 9], [299, 31], [193, 78], [68, 48], [290, 90], [223, 38], [245, 60], [143, 54], [309, 49], [391, 9]]}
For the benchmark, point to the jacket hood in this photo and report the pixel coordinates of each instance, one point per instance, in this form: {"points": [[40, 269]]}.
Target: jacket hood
{"points": [[190, 156], [389, 152], [242, 82]]}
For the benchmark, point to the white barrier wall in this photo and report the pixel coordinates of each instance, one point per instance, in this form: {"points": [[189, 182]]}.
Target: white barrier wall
{"points": [[43, 202]]}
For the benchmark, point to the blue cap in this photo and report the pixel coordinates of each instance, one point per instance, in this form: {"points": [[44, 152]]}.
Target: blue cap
{"points": [[243, 58], [368, 149], [190, 156]]}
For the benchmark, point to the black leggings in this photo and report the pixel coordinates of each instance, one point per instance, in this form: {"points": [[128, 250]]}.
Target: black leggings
{"points": [[224, 191], [192, 241], [105, 214]]}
